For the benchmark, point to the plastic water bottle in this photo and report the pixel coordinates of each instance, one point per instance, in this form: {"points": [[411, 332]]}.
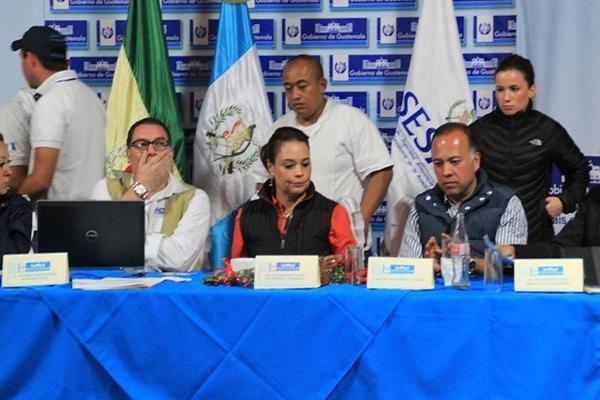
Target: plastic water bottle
{"points": [[460, 253]]}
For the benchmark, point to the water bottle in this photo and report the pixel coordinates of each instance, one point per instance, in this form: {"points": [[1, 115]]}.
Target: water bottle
{"points": [[460, 253]]}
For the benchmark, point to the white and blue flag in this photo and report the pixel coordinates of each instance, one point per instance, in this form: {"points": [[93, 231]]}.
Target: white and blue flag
{"points": [[437, 91], [232, 125]]}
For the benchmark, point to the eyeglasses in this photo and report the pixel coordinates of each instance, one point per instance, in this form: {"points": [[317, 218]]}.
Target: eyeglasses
{"points": [[143, 144]]}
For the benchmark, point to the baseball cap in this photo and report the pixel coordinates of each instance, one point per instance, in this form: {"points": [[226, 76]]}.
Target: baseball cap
{"points": [[42, 41]]}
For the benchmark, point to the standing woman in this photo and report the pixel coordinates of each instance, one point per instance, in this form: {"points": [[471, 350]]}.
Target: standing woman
{"points": [[290, 217], [15, 212], [520, 144]]}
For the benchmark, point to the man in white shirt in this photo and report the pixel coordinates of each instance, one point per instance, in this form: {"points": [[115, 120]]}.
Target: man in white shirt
{"points": [[15, 124], [349, 158], [177, 215], [67, 125]]}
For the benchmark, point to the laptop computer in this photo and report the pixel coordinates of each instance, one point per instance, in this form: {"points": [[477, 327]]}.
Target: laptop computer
{"points": [[94, 233], [591, 262]]}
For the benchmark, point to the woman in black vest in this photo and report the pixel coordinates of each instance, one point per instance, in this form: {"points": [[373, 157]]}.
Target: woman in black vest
{"points": [[520, 144], [290, 217], [15, 212]]}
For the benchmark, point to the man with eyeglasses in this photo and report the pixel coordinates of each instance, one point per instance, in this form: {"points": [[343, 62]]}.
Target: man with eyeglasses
{"points": [[177, 215]]}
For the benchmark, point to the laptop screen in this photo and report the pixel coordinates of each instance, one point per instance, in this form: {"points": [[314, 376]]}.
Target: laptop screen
{"points": [[93, 233], [591, 262]]}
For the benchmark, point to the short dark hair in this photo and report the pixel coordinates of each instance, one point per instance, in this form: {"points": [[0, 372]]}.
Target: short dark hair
{"points": [[448, 127], [1, 138], [314, 61], [146, 121], [518, 63], [281, 135], [53, 64]]}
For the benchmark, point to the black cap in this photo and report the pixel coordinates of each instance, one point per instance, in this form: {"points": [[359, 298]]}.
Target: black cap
{"points": [[42, 41]]}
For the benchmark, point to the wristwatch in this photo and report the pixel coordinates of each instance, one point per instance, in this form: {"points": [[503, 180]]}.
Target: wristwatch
{"points": [[140, 190]]}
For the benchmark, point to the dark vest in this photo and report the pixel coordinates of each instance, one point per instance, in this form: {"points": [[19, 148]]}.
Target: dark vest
{"points": [[482, 211], [307, 233]]}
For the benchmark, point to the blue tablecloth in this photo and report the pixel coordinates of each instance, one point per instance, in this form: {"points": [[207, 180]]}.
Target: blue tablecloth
{"points": [[187, 340]]}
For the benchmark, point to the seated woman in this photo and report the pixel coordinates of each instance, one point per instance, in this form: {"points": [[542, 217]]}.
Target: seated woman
{"points": [[290, 217], [582, 231], [15, 212]]}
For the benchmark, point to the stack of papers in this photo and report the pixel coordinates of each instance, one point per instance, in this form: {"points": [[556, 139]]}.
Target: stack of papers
{"points": [[123, 283]]}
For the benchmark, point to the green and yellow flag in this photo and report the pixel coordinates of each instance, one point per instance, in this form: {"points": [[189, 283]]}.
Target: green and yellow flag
{"points": [[142, 86]]}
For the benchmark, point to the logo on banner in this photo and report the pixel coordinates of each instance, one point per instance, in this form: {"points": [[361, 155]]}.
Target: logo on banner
{"points": [[401, 31], [388, 30], [74, 32], [481, 68], [192, 70], [388, 104], [373, 4], [286, 5], [108, 32], [94, 70], [200, 31], [369, 68], [293, 30], [495, 29], [325, 32]]}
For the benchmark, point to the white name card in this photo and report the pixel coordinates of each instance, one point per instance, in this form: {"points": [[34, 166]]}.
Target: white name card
{"points": [[286, 272], [400, 273], [549, 275], [35, 269]]}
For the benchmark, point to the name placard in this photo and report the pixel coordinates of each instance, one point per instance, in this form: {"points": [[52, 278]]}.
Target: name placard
{"points": [[400, 273], [286, 272], [35, 269], [549, 275]]}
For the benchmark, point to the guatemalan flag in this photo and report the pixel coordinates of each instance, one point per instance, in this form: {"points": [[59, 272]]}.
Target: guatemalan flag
{"points": [[232, 125], [437, 91]]}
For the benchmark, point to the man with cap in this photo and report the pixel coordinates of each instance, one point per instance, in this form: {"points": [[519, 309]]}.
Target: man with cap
{"points": [[67, 124]]}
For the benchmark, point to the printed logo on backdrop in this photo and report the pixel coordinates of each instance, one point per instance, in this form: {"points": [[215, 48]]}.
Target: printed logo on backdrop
{"points": [[94, 70], [203, 32], [594, 163], [350, 98], [482, 66], [368, 68], [378, 219], [189, 5], [284, 5], [74, 31], [111, 32], [388, 104], [484, 101], [191, 70], [272, 67], [494, 30], [195, 100], [484, 3], [99, 6], [325, 32], [401, 31], [230, 139], [340, 5]]}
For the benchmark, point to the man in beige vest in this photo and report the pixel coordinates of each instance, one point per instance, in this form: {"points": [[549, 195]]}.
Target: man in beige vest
{"points": [[177, 215]]}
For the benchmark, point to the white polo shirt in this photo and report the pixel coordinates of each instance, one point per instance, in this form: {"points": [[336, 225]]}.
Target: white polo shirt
{"points": [[345, 147], [70, 117], [15, 119]]}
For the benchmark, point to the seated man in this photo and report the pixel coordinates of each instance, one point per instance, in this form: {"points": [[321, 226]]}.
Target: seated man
{"points": [[582, 231], [177, 215], [15, 212], [489, 209]]}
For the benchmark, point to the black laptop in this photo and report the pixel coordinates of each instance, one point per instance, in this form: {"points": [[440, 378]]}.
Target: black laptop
{"points": [[591, 262], [93, 233]]}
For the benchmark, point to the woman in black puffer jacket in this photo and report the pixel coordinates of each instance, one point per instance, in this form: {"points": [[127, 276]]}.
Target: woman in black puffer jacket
{"points": [[519, 146]]}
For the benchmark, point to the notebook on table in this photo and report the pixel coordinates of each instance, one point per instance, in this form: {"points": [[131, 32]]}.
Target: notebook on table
{"points": [[98, 234]]}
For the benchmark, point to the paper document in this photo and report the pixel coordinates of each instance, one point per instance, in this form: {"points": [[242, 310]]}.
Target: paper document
{"points": [[123, 283]]}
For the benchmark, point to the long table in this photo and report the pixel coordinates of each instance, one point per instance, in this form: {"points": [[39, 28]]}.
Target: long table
{"points": [[188, 340]]}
